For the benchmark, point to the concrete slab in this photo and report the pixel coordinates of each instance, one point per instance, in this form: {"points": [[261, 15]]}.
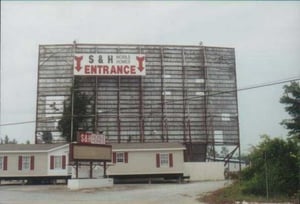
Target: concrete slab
{"points": [[75, 184]]}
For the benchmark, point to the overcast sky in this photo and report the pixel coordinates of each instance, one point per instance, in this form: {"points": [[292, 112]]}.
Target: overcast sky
{"points": [[265, 36]]}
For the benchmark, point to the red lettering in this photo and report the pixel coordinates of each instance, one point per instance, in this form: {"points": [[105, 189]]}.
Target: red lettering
{"points": [[87, 69], [126, 69], [120, 69], [132, 69], [112, 70], [82, 138], [140, 63], [99, 69], [78, 63], [105, 70], [85, 138], [93, 69]]}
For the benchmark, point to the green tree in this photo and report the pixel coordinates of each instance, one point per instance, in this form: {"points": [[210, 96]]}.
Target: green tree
{"points": [[47, 136], [274, 168], [291, 98], [6, 140], [83, 106]]}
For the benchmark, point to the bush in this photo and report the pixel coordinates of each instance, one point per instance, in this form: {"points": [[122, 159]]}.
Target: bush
{"points": [[274, 162]]}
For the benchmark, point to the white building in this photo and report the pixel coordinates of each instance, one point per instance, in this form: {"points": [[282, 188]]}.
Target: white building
{"points": [[34, 161], [49, 162]]}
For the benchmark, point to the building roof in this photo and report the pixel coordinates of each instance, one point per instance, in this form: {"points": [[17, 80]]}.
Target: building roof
{"points": [[147, 146], [28, 147], [115, 146]]}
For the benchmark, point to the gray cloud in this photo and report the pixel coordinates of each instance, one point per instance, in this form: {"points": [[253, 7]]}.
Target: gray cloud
{"points": [[264, 34]]}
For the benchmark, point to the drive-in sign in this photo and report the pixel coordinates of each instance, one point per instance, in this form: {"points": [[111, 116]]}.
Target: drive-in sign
{"points": [[109, 64], [90, 138]]}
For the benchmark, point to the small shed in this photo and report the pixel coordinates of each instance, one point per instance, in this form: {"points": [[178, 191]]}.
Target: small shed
{"points": [[147, 160]]}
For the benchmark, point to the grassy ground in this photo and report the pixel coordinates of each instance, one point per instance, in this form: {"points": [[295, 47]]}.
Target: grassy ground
{"points": [[233, 193]]}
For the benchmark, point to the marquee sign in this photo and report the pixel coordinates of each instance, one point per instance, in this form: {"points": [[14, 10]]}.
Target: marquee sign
{"points": [[92, 152], [109, 65], [90, 138]]}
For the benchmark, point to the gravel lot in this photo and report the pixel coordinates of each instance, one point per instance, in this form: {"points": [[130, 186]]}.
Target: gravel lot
{"points": [[186, 193]]}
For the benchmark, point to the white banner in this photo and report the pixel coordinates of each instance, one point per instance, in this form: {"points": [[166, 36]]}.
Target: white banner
{"points": [[109, 65]]}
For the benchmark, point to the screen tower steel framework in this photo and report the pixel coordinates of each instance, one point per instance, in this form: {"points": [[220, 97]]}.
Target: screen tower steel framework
{"points": [[188, 95]]}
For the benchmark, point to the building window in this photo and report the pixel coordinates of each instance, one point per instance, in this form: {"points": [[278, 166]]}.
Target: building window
{"points": [[120, 157], [3, 163], [164, 160], [26, 163], [58, 162]]}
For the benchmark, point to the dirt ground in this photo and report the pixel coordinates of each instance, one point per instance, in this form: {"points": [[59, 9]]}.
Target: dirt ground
{"points": [[186, 193]]}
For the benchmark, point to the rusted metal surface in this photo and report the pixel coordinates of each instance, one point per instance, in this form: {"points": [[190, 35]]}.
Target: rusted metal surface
{"points": [[188, 95]]}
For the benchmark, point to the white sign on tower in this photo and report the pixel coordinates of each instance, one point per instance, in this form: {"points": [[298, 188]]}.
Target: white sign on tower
{"points": [[109, 65]]}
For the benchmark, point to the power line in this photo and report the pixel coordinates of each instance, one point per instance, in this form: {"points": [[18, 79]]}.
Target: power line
{"points": [[187, 99], [245, 88], [18, 123]]}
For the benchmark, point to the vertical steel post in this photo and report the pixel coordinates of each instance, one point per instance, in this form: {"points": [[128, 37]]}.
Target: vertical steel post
{"points": [[237, 118], [37, 97], [104, 170], [96, 106], [96, 103], [141, 108], [91, 169], [205, 98], [190, 135], [118, 111], [184, 97], [76, 169], [163, 99], [72, 94]]}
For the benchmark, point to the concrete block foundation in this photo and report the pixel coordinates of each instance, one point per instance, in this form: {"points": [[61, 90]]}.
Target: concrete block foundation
{"points": [[75, 184]]}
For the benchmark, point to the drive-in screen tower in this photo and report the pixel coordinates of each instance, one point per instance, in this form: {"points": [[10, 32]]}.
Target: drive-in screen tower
{"points": [[139, 93]]}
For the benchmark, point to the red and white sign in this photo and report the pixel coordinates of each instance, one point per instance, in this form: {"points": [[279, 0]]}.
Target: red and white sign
{"points": [[91, 138], [109, 65]]}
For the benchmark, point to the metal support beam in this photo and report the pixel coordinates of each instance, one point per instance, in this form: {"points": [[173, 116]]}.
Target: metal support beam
{"points": [[229, 156], [184, 98], [119, 110], [72, 97], [96, 106], [37, 98], [141, 110], [91, 169], [237, 120], [190, 139], [141, 107], [205, 98], [104, 170], [163, 98], [76, 169]]}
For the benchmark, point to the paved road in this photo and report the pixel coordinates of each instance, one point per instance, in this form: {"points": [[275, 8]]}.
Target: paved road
{"points": [[122, 193]]}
